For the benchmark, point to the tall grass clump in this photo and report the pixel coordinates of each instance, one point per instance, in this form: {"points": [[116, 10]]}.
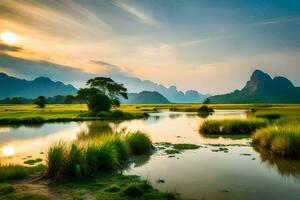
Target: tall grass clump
{"points": [[56, 159], [283, 140], [85, 157], [232, 127], [138, 142]]}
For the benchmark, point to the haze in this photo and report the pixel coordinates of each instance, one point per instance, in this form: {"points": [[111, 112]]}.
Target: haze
{"points": [[210, 46]]}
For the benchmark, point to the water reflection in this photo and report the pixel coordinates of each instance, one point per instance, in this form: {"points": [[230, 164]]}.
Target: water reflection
{"points": [[285, 167], [242, 172]]}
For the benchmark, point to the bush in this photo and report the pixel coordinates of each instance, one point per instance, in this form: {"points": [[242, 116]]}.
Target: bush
{"points": [[91, 155], [205, 109], [232, 127], [40, 101], [138, 142], [283, 141]]}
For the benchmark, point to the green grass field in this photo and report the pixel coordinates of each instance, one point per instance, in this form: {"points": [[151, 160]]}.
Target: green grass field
{"points": [[10, 114]]}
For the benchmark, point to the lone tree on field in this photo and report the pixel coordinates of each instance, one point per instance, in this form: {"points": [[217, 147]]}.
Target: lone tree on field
{"points": [[102, 94], [40, 101]]}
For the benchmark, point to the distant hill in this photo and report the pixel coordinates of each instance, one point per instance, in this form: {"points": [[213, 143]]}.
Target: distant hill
{"points": [[42, 86], [136, 85], [146, 97], [261, 88]]}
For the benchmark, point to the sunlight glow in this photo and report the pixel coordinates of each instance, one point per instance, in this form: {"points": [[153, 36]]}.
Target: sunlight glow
{"points": [[8, 38], [8, 151]]}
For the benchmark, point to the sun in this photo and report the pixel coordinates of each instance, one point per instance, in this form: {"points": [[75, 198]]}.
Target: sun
{"points": [[8, 38], [8, 151]]}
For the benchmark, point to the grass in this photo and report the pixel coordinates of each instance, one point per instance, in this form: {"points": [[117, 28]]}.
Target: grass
{"points": [[90, 155], [8, 192], [29, 114], [33, 161], [185, 146], [18, 172], [112, 186], [282, 140], [232, 127]]}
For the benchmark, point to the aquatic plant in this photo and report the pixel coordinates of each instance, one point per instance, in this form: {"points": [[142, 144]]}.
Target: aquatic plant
{"points": [[233, 126], [138, 142], [85, 157], [282, 140]]}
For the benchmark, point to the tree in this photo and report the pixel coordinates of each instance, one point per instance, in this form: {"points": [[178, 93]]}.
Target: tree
{"points": [[95, 100], [69, 99], [40, 101], [107, 86]]}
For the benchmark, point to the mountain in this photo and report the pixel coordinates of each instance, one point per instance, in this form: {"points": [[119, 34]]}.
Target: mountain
{"points": [[146, 97], [136, 85], [262, 88], [42, 86]]}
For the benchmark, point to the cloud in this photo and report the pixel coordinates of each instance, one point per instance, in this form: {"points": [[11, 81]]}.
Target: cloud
{"points": [[137, 13], [50, 17], [5, 48], [30, 69], [277, 21], [113, 69], [199, 41]]}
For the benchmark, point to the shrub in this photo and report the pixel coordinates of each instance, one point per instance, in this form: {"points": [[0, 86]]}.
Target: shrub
{"points": [[90, 155], [283, 141], [138, 142], [205, 109], [269, 116], [231, 127]]}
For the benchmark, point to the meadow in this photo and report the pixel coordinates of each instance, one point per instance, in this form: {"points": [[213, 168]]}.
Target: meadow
{"points": [[10, 114], [273, 127]]}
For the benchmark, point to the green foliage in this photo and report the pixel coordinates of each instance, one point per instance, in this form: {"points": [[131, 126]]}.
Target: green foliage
{"points": [[269, 116], [134, 190], [205, 109], [138, 142], [232, 127], [95, 153], [281, 140], [56, 159], [33, 161], [40, 101], [8, 192], [6, 188], [107, 86], [95, 100], [185, 146], [17, 172]]}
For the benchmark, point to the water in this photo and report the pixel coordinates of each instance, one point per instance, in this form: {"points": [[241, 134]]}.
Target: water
{"points": [[206, 173]]}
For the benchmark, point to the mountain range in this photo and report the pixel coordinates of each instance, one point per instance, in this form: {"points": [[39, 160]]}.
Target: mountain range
{"points": [[15, 87], [262, 88], [41, 86], [146, 97], [136, 85]]}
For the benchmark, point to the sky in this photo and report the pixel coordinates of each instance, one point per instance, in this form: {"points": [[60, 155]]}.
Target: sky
{"points": [[211, 46]]}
